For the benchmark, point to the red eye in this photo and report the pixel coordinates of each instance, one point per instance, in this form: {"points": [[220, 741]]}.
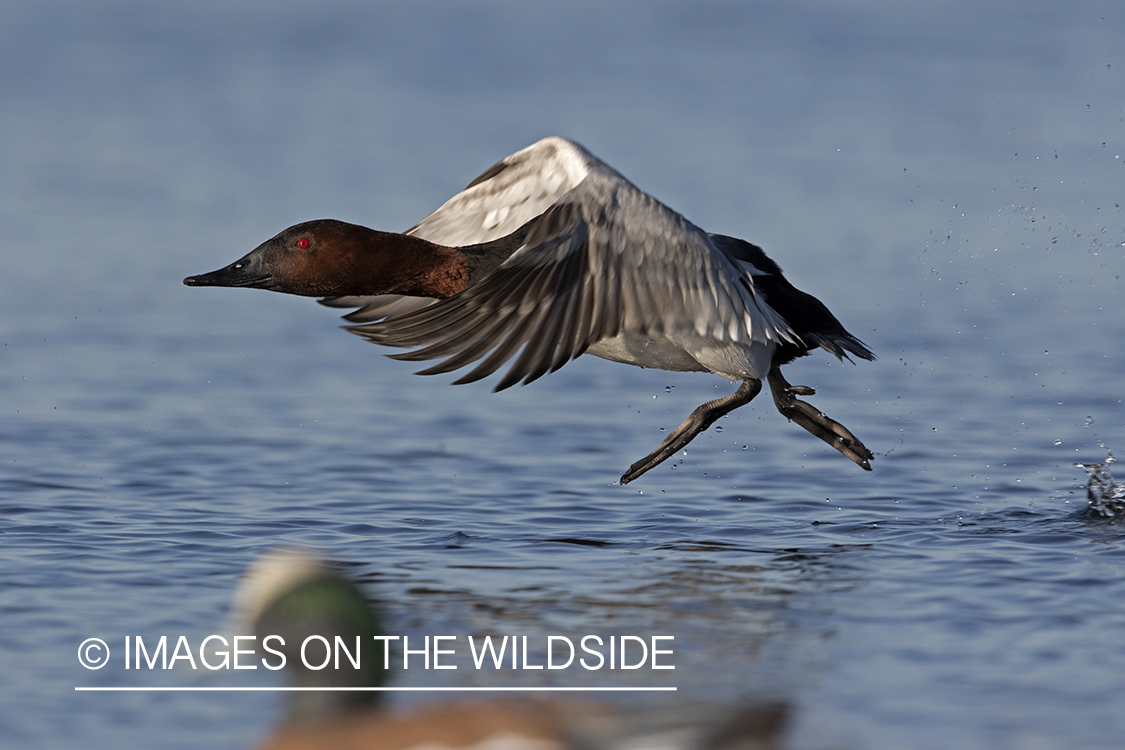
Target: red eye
{"points": [[303, 243]]}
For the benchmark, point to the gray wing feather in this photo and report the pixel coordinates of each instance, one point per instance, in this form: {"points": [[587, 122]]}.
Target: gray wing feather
{"points": [[377, 307]]}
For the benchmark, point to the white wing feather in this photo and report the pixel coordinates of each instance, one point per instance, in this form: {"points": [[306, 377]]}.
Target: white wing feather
{"points": [[508, 195]]}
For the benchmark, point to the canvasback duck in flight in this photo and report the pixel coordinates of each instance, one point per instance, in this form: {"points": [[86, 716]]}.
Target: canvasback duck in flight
{"points": [[553, 251]]}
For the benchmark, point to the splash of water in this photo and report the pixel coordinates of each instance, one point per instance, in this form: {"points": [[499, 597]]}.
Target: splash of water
{"points": [[1104, 497]]}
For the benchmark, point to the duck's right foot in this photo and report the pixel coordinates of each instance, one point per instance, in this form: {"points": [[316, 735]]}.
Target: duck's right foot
{"points": [[815, 421]]}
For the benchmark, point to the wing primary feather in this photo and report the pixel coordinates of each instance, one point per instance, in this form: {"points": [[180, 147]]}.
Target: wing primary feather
{"points": [[541, 294], [406, 332], [453, 343], [413, 328], [483, 340], [422, 326], [605, 315], [482, 337], [539, 352], [577, 338], [500, 354]]}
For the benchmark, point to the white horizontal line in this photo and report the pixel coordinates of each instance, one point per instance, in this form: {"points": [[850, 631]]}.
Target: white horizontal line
{"points": [[368, 689]]}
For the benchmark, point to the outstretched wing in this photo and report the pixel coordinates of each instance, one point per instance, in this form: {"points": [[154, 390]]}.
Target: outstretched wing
{"points": [[605, 259], [508, 194]]}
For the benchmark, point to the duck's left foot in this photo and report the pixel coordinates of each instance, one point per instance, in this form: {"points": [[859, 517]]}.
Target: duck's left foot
{"points": [[699, 420], [816, 422]]}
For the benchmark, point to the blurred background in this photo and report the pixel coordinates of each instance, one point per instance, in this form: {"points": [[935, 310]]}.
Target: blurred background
{"points": [[947, 177]]}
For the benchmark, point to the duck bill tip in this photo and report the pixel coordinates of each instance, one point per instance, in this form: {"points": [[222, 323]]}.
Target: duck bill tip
{"points": [[222, 277], [233, 276]]}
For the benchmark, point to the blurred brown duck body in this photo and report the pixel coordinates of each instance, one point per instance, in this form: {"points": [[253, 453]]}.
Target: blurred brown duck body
{"points": [[551, 254]]}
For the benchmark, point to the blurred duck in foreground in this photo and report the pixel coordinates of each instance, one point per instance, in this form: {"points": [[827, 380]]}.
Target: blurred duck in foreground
{"points": [[293, 594], [552, 254]]}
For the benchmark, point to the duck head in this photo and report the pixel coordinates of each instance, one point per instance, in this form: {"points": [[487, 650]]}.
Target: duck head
{"points": [[290, 596], [330, 258]]}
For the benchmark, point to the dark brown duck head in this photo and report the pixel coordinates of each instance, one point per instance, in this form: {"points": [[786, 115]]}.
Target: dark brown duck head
{"points": [[329, 258]]}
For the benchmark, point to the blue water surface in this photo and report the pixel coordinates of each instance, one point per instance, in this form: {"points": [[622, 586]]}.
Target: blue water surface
{"points": [[948, 178]]}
